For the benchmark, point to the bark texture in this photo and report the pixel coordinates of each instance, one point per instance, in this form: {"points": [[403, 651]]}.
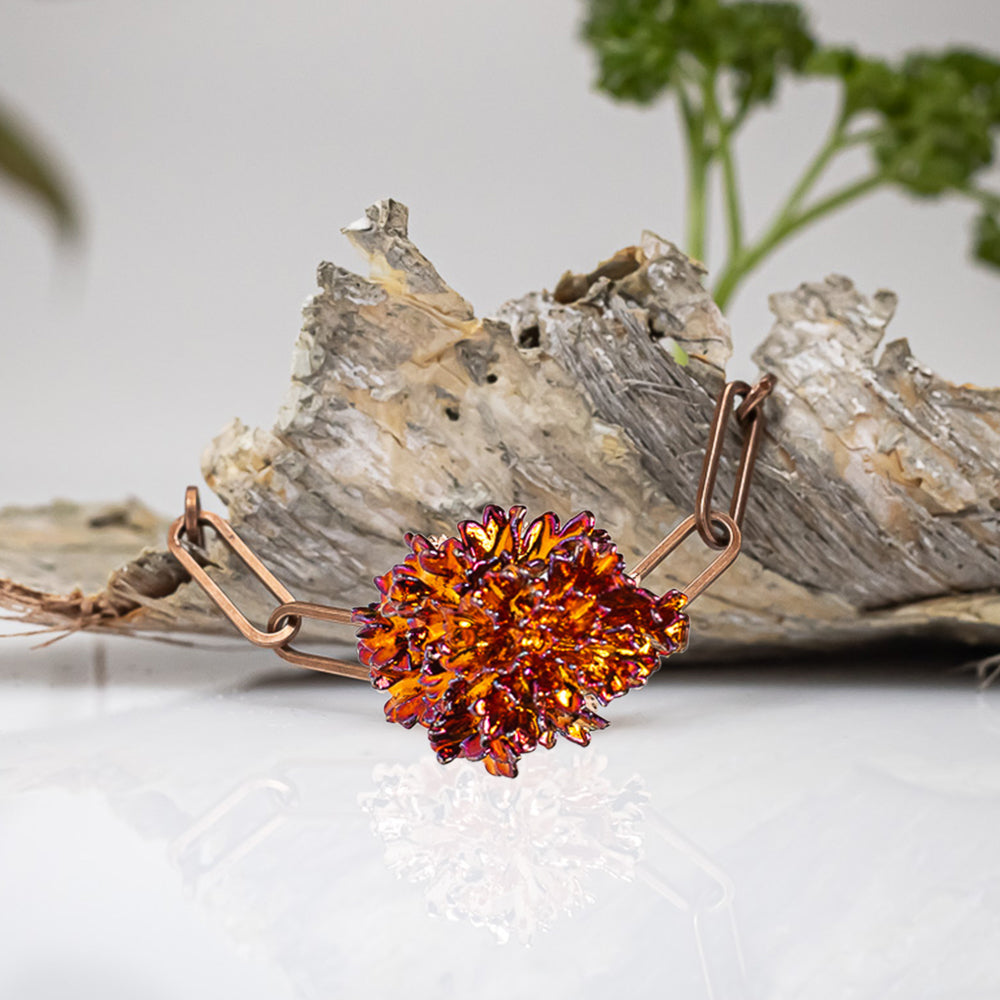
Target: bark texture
{"points": [[875, 512]]}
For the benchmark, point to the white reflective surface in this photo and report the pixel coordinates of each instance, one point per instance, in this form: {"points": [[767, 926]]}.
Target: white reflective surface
{"points": [[192, 823]]}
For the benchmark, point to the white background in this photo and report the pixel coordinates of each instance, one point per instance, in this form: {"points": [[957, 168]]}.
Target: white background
{"points": [[217, 146]]}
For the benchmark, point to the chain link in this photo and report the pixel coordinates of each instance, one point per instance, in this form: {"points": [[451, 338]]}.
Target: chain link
{"points": [[717, 529], [286, 620], [750, 416]]}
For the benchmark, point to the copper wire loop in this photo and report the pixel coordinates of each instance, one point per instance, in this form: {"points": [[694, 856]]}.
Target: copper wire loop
{"points": [[718, 566], [192, 512], [751, 416], [242, 551], [313, 661], [752, 401]]}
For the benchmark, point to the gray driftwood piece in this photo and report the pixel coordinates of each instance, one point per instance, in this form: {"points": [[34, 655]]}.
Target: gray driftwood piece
{"points": [[875, 512]]}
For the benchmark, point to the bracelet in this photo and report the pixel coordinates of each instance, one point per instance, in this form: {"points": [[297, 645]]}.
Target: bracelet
{"points": [[510, 633]]}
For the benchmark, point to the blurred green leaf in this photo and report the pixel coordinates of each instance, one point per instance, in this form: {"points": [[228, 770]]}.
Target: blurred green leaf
{"points": [[678, 353], [981, 74], [987, 239], [759, 41], [637, 44], [933, 113], [25, 164], [937, 128], [869, 84], [644, 46]]}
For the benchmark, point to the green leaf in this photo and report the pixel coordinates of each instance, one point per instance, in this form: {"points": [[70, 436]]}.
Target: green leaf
{"points": [[678, 353], [759, 41], [987, 239], [869, 84], [933, 114], [938, 127], [636, 46], [26, 165], [644, 46], [981, 75]]}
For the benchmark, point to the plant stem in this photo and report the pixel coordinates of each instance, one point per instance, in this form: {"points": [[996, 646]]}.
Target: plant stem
{"points": [[785, 225], [730, 185], [790, 217], [699, 158], [832, 145], [697, 202]]}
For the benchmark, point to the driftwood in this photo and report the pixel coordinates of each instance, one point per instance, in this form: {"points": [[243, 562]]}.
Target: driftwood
{"points": [[875, 512]]}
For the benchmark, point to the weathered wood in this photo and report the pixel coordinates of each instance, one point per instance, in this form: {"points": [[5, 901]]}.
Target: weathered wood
{"points": [[875, 512]]}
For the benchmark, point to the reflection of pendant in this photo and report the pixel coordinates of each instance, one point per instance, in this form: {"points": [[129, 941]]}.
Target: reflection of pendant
{"points": [[500, 639], [509, 857], [515, 857]]}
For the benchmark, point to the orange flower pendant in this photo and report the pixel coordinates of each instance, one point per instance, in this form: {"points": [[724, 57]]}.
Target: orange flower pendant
{"points": [[500, 639]]}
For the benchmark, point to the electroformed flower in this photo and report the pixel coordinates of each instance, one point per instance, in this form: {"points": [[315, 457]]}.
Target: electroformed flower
{"points": [[500, 638]]}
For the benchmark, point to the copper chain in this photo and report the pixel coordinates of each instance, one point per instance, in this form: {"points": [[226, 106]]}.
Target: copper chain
{"points": [[286, 619], [718, 529]]}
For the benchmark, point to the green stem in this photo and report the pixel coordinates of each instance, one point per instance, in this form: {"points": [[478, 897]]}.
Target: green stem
{"points": [[730, 185], [783, 227], [790, 217], [834, 143], [736, 119], [860, 137], [699, 157]]}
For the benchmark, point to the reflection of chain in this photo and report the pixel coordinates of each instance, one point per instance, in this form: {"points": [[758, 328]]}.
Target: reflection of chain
{"points": [[702, 889], [232, 828], [216, 841]]}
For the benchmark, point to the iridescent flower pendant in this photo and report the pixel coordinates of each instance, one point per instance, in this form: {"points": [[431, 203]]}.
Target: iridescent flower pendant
{"points": [[500, 639]]}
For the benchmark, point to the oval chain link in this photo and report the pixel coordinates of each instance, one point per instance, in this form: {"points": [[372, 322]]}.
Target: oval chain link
{"points": [[750, 416]]}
